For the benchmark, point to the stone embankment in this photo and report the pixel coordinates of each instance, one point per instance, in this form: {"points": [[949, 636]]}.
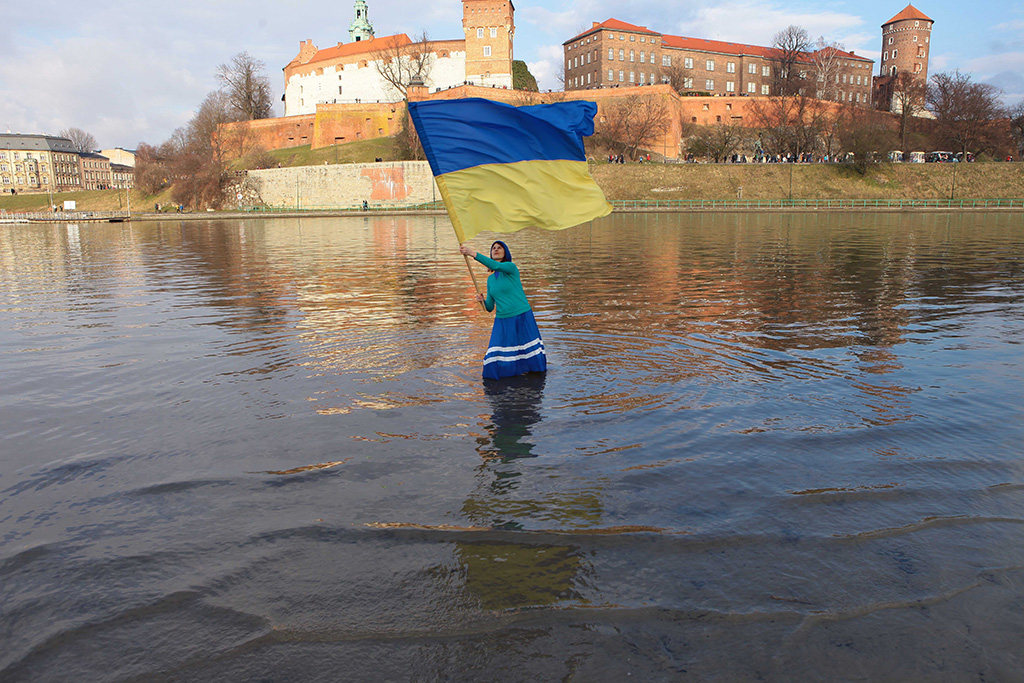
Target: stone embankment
{"points": [[344, 186]]}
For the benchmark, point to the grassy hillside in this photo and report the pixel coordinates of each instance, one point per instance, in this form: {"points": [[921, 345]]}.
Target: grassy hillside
{"points": [[993, 180], [86, 200], [360, 152]]}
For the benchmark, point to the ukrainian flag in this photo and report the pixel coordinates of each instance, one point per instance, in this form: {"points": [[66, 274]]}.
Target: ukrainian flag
{"points": [[503, 168]]}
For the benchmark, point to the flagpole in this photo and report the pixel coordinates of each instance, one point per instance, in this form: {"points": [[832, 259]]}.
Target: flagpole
{"points": [[473, 275]]}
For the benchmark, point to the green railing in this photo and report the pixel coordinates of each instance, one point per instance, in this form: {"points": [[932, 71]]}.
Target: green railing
{"points": [[644, 204], [411, 208], [694, 204]]}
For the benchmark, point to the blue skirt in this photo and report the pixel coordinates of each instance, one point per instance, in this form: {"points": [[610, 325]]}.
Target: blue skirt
{"points": [[515, 348]]}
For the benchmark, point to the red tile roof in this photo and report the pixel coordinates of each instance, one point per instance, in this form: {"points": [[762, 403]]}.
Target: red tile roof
{"points": [[615, 25], [357, 47], [909, 12]]}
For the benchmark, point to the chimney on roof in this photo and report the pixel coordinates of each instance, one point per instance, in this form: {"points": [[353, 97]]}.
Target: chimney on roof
{"points": [[852, 53], [595, 24]]}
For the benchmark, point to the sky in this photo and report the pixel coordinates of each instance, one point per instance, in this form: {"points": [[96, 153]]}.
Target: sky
{"points": [[134, 71]]}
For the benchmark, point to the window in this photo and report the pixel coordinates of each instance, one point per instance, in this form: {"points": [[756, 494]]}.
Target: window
{"points": [[666, 60], [611, 53], [622, 55], [611, 75], [885, 56], [894, 53], [752, 88], [890, 40], [844, 78], [487, 50], [688, 63], [588, 79], [730, 67], [709, 84], [766, 71], [709, 65], [339, 89], [494, 32], [622, 75], [730, 86], [752, 69], [631, 56], [643, 57], [480, 34], [631, 77], [642, 39], [588, 57], [915, 39], [764, 89], [688, 83], [632, 39]]}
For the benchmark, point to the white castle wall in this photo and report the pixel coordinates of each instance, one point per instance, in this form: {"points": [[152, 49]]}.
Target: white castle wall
{"points": [[364, 83]]}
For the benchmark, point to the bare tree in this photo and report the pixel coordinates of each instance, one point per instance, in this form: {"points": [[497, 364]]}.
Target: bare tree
{"points": [[1017, 128], [679, 77], [80, 140], [402, 61], [827, 63], [151, 174], [908, 100], [716, 141], [789, 125], [636, 121], [867, 137], [964, 111], [194, 155], [407, 141], [246, 86], [791, 45]]}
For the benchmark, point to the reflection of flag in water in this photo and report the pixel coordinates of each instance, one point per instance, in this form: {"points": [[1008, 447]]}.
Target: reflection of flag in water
{"points": [[504, 168]]}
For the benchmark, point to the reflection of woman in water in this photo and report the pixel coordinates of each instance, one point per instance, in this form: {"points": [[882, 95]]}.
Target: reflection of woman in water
{"points": [[515, 409], [515, 347]]}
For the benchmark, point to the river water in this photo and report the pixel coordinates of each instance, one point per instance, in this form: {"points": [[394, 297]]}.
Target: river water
{"points": [[778, 446]]}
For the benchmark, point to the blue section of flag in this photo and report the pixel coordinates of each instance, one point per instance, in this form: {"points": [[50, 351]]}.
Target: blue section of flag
{"points": [[461, 134]]}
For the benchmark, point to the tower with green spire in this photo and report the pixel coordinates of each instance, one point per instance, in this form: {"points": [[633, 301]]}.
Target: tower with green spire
{"points": [[361, 28]]}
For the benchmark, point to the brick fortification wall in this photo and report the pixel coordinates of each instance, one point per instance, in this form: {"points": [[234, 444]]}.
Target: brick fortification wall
{"points": [[332, 124], [341, 123]]}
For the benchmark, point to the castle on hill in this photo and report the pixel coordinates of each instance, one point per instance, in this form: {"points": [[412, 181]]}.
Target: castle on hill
{"points": [[338, 94], [352, 72]]}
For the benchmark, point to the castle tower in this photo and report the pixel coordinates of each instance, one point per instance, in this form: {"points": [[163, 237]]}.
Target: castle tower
{"points": [[361, 28], [489, 28], [906, 41]]}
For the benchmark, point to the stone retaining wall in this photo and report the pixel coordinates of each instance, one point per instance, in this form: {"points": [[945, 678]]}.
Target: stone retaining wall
{"points": [[398, 183]]}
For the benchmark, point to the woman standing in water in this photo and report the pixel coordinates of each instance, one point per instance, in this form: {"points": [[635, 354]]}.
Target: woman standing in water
{"points": [[516, 347]]}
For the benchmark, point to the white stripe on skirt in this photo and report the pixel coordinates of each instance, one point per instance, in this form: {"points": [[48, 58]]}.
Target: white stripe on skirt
{"points": [[506, 349]]}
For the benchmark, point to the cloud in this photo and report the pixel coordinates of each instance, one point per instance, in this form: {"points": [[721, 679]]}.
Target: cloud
{"points": [[756, 23], [548, 68], [90, 83], [1005, 71]]}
